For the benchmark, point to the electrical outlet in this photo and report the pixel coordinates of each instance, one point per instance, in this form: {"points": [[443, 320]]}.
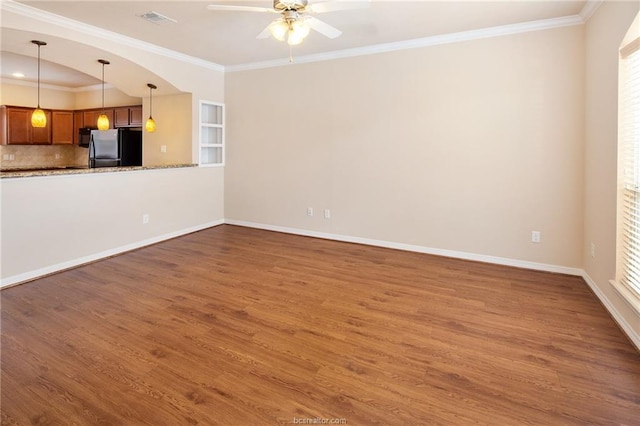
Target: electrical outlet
{"points": [[593, 250], [5, 157], [309, 211], [327, 214], [145, 219], [163, 148], [12, 157], [58, 156], [535, 236]]}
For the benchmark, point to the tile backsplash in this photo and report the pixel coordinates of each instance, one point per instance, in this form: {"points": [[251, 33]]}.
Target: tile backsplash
{"points": [[42, 156]]}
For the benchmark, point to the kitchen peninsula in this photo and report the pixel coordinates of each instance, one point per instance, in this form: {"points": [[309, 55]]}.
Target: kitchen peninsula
{"points": [[55, 220]]}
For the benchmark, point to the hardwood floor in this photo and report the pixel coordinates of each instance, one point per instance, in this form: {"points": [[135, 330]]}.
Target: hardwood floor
{"points": [[237, 326]]}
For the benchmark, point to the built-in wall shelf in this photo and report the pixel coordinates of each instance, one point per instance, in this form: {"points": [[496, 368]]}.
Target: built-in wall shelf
{"points": [[211, 134]]}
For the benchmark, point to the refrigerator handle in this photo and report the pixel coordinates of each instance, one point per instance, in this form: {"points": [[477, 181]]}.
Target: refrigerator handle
{"points": [[92, 151]]}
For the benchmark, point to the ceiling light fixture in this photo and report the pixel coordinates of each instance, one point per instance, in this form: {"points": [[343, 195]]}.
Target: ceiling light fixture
{"points": [[38, 117], [150, 125], [291, 27], [103, 120]]}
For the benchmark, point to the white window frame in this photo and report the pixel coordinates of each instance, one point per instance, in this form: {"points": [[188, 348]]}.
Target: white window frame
{"points": [[627, 280]]}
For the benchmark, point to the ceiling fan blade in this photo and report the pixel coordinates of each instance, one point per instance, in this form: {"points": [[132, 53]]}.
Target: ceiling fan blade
{"points": [[232, 8], [323, 28], [265, 33], [336, 5]]}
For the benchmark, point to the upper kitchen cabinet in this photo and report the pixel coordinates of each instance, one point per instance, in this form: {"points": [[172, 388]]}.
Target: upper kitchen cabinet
{"points": [[90, 117], [62, 129], [128, 116], [16, 127]]}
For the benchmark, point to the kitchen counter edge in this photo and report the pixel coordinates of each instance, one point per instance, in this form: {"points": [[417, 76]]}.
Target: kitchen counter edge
{"points": [[6, 174]]}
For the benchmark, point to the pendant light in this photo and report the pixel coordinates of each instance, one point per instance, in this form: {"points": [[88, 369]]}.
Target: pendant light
{"points": [[103, 120], [150, 125], [38, 117]]}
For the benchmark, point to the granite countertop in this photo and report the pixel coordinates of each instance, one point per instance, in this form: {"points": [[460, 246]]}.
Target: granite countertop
{"points": [[19, 172]]}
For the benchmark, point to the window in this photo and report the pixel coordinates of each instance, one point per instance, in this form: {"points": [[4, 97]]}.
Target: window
{"points": [[628, 262]]}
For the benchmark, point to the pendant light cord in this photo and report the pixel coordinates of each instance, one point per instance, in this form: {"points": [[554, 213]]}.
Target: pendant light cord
{"points": [[38, 76], [103, 88]]}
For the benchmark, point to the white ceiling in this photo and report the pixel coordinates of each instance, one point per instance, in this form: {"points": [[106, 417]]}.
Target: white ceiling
{"points": [[229, 38], [51, 73]]}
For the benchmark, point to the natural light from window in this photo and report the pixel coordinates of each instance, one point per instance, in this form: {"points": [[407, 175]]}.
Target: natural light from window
{"points": [[628, 254]]}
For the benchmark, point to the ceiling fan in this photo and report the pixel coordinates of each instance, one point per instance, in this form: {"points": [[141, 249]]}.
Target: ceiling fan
{"points": [[294, 24]]}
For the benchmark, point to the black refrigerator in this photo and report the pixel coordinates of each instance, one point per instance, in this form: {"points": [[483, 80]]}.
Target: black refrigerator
{"points": [[115, 147]]}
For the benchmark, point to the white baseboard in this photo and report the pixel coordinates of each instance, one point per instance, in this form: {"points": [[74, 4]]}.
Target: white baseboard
{"points": [[419, 249], [621, 320], [27, 276]]}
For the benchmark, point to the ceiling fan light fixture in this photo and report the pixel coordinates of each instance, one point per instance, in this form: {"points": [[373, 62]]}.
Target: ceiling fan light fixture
{"points": [[279, 29], [298, 31]]}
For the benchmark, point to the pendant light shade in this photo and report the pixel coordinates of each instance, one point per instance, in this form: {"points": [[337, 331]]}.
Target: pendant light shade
{"points": [[103, 120], [150, 125], [38, 117]]}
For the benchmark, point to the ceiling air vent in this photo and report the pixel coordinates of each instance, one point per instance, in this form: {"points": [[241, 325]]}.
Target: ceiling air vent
{"points": [[157, 18]]}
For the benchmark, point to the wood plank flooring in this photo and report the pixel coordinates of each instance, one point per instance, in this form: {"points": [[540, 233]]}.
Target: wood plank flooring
{"points": [[237, 326]]}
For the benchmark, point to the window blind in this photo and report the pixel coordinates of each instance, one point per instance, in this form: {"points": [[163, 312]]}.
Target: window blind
{"points": [[630, 162]]}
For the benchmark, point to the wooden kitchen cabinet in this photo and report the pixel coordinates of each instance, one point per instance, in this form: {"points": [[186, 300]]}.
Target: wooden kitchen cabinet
{"points": [[17, 129], [128, 116], [90, 118], [62, 128], [78, 122], [135, 115]]}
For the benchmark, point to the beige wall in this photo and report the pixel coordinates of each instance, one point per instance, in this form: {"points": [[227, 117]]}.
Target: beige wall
{"points": [[27, 96], [603, 35], [22, 95], [466, 147], [172, 115], [87, 99]]}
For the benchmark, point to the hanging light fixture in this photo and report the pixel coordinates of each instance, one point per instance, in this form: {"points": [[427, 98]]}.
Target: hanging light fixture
{"points": [[291, 27], [38, 117], [103, 120], [150, 125]]}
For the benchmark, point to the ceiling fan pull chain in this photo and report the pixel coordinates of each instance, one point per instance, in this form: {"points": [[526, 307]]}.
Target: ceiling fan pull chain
{"points": [[290, 54]]}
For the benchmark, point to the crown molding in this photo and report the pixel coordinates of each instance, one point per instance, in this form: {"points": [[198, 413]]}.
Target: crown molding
{"points": [[50, 18], [589, 9], [490, 32]]}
